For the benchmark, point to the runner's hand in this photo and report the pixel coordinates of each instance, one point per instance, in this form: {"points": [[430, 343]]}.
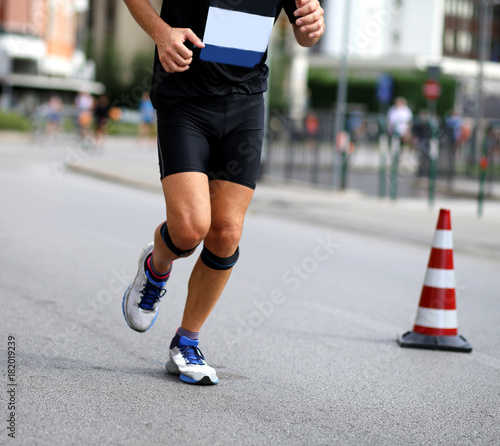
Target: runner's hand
{"points": [[311, 21], [174, 55]]}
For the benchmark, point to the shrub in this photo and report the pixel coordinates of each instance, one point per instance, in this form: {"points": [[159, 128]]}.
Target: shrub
{"points": [[14, 121], [323, 86]]}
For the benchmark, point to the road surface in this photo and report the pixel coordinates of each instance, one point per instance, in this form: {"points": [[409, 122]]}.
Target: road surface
{"points": [[303, 338]]}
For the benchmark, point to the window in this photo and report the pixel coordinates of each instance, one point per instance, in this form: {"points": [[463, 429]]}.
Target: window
{"points": [[464, 42], [449, 41]]}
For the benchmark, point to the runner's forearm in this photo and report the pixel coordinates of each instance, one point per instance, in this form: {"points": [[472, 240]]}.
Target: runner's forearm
{"points": [[146, 16]]}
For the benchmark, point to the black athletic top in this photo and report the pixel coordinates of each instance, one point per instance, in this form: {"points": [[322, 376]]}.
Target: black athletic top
{"points": [[206, 77]]}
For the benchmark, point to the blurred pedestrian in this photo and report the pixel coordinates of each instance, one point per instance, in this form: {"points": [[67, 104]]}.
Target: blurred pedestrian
{"points": [[147, 120], [54, 118], [312, 130], [422, 134], [454, 122], [399, 120], [84, 104], [356, 126], [101, 117]]}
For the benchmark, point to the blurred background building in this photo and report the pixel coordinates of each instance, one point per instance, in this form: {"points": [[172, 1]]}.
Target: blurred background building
{"points": [[66, 45], [123, 52], [406, 36], [112, 29], [372, 52], [42, 51]]}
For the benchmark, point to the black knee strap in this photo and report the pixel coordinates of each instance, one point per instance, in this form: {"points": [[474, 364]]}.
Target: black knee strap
{"points": [[219, 263], [170, 244]]}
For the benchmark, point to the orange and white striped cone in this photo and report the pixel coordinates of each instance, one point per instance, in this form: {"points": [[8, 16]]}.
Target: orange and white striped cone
{"points": [[436, 324]]}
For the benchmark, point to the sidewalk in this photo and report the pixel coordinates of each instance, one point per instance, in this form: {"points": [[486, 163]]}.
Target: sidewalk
{"points": [[410, 220]]}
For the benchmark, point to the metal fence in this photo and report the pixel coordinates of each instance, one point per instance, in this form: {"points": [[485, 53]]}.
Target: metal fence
{"points": [[294, 152]]}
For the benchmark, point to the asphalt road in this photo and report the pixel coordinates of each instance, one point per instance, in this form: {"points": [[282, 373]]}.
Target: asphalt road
{"points": [[304, 337]]}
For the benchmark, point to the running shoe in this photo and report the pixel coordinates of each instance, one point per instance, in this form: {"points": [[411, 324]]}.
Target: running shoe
{"points": [[141, 300], [187, 361]]}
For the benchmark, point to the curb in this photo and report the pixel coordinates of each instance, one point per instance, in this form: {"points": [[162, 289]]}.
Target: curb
{"points": [[443, 187], [111, 177]]}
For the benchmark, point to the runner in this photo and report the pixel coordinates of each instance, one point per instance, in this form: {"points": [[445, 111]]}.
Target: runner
{"points": [[210, 117], [147, 119], [101, 116]]}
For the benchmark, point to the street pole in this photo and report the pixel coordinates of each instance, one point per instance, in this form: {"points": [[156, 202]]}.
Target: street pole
{"points": [[395, 152], [484, 45], [342, 86], [483, 167], [5, 70], [383, 152], [433, 159]]}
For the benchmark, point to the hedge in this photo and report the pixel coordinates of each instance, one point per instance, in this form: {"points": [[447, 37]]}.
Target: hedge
{"points": [[14, 121], [323, 87]]}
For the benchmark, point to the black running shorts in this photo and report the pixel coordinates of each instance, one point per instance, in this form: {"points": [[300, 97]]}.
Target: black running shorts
{"points": [[220, 136]]}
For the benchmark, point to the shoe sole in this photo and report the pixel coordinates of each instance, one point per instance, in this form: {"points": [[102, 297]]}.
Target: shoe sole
{"points": [[205, 381], [125, 296]]}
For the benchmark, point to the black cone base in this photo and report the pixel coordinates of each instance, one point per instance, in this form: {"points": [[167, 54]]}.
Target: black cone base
{"points": [[451, 343]]}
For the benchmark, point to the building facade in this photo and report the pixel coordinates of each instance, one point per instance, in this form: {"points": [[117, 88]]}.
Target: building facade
{"points": [[112, 27], [408, 35], [41, 50]]}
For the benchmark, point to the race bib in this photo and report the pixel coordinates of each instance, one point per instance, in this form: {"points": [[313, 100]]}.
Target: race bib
{"points": [[238, 37]]}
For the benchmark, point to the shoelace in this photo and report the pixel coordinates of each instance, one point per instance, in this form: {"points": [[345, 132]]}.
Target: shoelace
{"points": [[150, 295], [192, 354]]}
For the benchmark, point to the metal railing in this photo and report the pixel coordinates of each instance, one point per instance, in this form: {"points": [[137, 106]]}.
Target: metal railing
{"points": [[436, 153]]}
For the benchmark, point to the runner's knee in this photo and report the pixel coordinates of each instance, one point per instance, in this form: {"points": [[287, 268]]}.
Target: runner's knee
{"points": [[225, 237], [183, 242]]}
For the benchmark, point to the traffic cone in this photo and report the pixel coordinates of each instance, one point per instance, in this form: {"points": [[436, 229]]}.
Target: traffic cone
{"points": [[436, 325]]}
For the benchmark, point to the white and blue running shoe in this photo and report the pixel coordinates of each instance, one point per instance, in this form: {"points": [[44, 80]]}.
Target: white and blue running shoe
{"points": [[187, 361], [141, 300]]}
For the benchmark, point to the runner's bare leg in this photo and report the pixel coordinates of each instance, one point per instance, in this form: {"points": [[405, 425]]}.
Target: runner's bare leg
{"points": [[229, 203]]}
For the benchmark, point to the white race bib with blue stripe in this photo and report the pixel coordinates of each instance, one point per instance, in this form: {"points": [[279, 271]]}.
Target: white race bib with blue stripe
{"points": [[236, 37]]}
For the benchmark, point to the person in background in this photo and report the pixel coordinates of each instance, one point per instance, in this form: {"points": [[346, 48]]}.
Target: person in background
{"points": [[84, 104], [399, 120], [54, 118], [454, 122], [312, 130], [147, 120], [101, 117]]}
